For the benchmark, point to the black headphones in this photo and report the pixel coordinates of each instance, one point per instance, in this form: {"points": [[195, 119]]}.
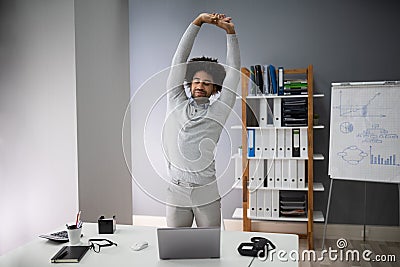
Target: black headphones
{"points": [[258, 247]]}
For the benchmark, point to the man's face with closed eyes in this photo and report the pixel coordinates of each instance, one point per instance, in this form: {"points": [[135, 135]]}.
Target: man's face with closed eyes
{"points": [[202, 85]]}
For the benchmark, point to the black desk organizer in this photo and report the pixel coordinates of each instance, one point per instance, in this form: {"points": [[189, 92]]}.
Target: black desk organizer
{"points": [[106, 226]]}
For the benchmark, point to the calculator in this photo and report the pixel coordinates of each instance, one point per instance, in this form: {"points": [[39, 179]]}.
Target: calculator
{"points": [[61, 236]]}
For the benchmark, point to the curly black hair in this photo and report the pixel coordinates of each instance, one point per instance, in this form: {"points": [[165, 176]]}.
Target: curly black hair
{"points": [[210, 66]]}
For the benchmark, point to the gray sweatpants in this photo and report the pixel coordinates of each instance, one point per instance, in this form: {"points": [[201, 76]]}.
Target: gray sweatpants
{"points": [[186, 201]]}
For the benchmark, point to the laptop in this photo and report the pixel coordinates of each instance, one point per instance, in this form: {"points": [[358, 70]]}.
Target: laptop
{"points": [[188, 243]]}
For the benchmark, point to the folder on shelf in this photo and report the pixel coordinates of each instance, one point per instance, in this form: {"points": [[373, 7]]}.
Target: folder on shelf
{"points": [[253, 203], [238, 169], [269, 136], [269, 173], [267, 143], [259, 173], [280, 81], [273, 81], [260, 203], [288, 143], [285, 173], [281, 143], [296, 142], [303, 143], [263, 113], [278, 173], [275, 203], [301, 173], [252, 84], [259, 79], [266, 79], [293, 173], [277, 112], [252, 174], [256, 173], [251, 142], [259, 140], [268, 203]]}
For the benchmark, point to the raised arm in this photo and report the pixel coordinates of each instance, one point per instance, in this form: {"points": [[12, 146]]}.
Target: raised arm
{"points": [[230, 85]]}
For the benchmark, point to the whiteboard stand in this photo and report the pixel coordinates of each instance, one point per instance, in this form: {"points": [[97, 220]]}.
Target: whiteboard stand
{"points": [[365, 211], [327, 212]]}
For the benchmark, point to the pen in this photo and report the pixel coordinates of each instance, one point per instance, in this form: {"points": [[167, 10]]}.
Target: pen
{"points": [[78, 216]]}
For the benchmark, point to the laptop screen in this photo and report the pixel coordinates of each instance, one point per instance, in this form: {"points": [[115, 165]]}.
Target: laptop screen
{"points": [[188, 243]]}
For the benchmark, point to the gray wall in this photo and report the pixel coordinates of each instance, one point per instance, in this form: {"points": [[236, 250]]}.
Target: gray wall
{"points": [[48, 78], [344, 40], [38, 140], [102, 83]]}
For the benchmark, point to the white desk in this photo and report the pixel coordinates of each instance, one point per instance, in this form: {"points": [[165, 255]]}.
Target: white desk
{"points": [[40, 251]]}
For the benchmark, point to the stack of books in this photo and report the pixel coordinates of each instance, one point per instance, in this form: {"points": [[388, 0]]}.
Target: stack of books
{"points": [[294, 112], [295, 87], [292, 204]]}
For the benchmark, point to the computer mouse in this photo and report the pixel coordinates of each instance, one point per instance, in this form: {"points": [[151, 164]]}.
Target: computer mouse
{"points": [[140, 245]]}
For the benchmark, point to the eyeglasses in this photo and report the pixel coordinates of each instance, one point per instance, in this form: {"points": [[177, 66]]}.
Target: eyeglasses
{"points": [[101, 243]]}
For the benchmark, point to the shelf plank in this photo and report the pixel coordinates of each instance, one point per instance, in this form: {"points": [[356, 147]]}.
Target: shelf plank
{"points": [[318, 187], [279, 96], [318, 217], [239, 127], [316, 157]]}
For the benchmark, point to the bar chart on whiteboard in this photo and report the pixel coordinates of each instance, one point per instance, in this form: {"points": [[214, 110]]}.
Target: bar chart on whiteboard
{"points": [[365, 131]]}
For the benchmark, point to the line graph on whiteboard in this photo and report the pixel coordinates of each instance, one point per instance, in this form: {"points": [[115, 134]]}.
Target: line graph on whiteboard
{"points": [[367, 109], [365, 132]]}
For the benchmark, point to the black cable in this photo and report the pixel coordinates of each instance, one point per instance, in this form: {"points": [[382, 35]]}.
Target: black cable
{"points": [[251, 262]]}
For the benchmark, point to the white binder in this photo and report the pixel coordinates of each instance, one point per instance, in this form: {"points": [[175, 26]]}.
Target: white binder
{"points": [[270, 172], [301, 174], [259, 140], [252, 174], [263, 113], [253, 203], [285, 173], [268, 142], [260, 173], [238, 170], [256, 173], [268, 203], [278, 173], [275, 203], [277, 112], [303, 143], [260, 203], [271, 143], [293, 173], [288, 143], [281, 143]]}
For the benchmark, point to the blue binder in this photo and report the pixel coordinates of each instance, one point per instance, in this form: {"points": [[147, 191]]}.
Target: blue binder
{"points": [[251, 140], [272, 75]]}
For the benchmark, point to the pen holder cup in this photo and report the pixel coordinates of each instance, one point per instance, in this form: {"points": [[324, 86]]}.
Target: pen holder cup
{"points": [[74, 235], [106, 226]]}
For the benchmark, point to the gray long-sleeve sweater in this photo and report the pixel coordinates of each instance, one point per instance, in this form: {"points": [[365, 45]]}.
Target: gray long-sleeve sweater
{"points": [[192, 127]]}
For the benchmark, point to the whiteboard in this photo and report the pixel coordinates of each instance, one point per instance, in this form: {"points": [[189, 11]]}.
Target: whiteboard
{"points": [[365, 132]]}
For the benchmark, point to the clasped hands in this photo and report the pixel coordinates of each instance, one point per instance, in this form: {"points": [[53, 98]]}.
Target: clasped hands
{"points": [[220, 20]]}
